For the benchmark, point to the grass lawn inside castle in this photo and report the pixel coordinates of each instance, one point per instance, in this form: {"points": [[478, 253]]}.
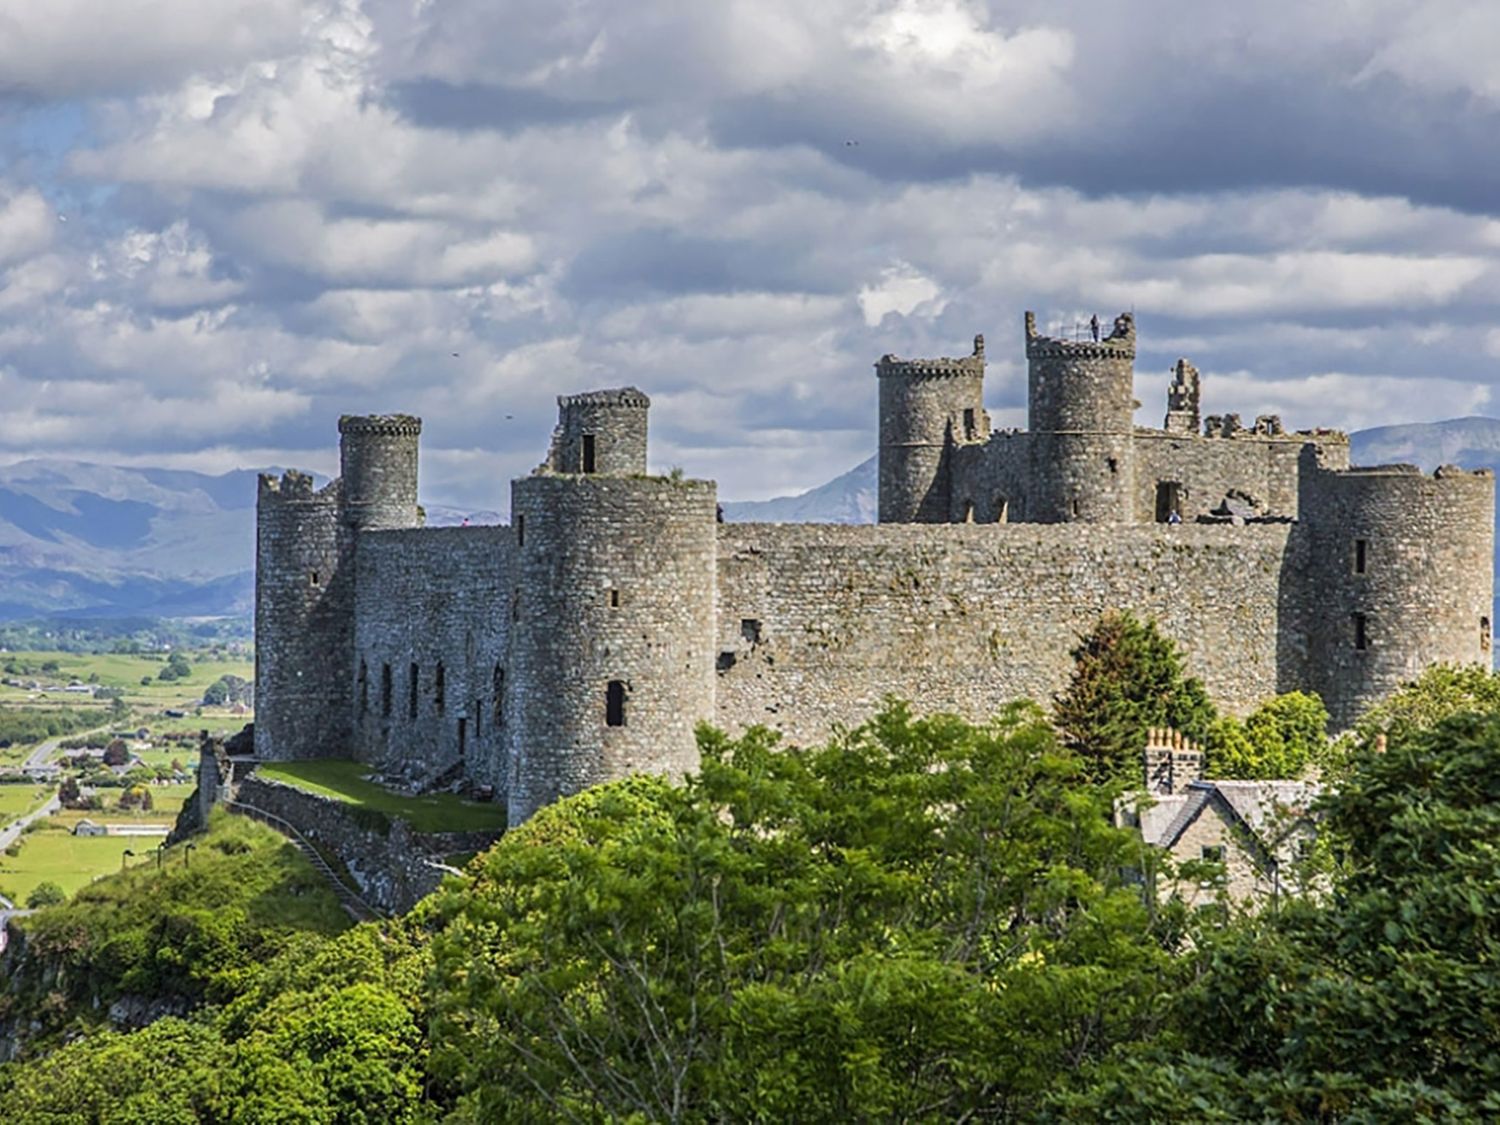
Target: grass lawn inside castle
{"points": [[347, 781]]}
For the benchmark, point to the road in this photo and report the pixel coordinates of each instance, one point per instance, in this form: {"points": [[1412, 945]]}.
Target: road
{"points": [[36, 761], [12, 832]]}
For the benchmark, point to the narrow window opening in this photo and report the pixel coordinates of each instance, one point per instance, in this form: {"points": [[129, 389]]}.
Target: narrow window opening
{"points": [[614, 599], [1484, 634], [463, 736], [1075, 506], [614, 704], [478, 721], [498, 714], [968, 511], [364, 688], [1361, 548], [385, 690], [520, 531], [1002, 510], [1213, 853], [413, 678], [1114, 465], [1361, 639], [515, 604], [969, 427], [440, 688], [750, 629], [726, 661], [588, 453], [1168, 501], [313, 578]]}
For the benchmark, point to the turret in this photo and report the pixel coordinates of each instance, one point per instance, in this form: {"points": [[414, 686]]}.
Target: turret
{"points": [[378, 468], [301, 616], [1399, 576], [1082, 404], [613, 630], [600, 432], [927, 406]]}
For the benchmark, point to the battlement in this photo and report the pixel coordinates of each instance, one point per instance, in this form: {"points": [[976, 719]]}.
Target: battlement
{"points": [[945, 367], [620, 396], [292, 486], [1119, 344], [386, 425]]}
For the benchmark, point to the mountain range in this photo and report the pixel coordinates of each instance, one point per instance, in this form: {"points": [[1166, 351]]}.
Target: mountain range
{"points": [[85, 540]]}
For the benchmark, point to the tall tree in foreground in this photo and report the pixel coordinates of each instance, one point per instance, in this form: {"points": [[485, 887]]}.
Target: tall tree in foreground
{"points": [[1127, 678], [923, 920]]}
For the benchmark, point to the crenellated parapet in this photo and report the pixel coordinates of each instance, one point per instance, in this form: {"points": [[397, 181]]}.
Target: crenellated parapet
{"points": [[384, 425], [964, 367], [1119, 344]]}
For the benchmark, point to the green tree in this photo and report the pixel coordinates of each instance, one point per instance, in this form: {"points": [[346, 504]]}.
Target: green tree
{"points": [[1127, 678], [1441, 691], [922, 919], [1279, 739], [45, 894], [116, 753]]}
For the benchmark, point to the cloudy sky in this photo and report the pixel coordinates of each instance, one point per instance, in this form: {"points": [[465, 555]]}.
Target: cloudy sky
{"points": [[224, 222]]}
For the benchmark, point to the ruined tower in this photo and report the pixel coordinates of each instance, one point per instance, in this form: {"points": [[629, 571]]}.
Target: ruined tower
{"points": [[927, 406], [1081, 407], [1182, 400], [614, 620]]}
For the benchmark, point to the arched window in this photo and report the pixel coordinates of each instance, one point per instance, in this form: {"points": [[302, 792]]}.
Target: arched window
{"points": [[413, 675], [440, 688], [499, 689], [385, 690]]}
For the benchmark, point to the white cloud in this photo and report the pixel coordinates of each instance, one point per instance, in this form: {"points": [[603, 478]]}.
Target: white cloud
{"points": [[901, 290]]}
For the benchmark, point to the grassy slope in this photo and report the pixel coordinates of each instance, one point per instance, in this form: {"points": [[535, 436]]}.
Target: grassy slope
{"points": [[17, 800], [438, 812]]}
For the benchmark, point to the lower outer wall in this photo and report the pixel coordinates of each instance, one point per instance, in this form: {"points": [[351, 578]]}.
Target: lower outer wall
{"points": [[965, 618], [390, 867]]}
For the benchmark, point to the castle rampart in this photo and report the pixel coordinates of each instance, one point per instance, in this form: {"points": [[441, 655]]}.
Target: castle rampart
{"points": [[585, 641]]}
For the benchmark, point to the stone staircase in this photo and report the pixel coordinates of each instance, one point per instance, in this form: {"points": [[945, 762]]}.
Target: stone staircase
{"points": [[355, 906]]}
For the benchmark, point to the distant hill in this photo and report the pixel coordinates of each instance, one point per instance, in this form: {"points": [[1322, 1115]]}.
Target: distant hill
{"points": [[850, 498], [86, 540]]}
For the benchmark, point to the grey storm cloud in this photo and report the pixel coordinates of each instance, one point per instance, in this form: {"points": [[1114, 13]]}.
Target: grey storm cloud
{"points": [[223, 223]]}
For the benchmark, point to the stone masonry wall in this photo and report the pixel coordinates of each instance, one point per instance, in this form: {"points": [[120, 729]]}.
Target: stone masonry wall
{"points": [[390, 862], [430, 599], [616, 578], [818, 622]]}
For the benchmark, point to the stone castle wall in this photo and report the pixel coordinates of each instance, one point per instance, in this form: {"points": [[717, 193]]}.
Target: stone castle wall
{"points": [[818, 622], [432, 616]]}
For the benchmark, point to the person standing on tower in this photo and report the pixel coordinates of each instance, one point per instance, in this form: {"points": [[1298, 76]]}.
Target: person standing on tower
{"points": [[1094, 327]]}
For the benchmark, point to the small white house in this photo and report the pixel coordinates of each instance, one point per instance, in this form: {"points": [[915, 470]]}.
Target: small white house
{"points": [[87, 827]]}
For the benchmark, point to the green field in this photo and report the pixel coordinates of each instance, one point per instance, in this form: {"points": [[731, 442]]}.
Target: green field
{"points": [[53, 854], [117, 670], [438, 812], [18, 800]]}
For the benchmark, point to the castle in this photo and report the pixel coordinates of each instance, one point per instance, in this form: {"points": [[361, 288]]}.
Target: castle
{"points": [[586, 640]]}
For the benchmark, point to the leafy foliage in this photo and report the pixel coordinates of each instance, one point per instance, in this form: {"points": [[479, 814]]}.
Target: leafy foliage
{"points": [[1127, 678], [45, 894], [921, 919], [1281, 738], [1441, 691]]}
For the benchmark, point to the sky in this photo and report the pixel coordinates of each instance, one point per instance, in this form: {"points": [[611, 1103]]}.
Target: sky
{"points": [[225, 222]]}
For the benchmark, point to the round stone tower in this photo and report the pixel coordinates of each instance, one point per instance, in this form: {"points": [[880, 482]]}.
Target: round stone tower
{"points": [[300, 619], [1081, 416], [1400, 576], [926, 407], [378, 468], [600, 432], [613, 630]]}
